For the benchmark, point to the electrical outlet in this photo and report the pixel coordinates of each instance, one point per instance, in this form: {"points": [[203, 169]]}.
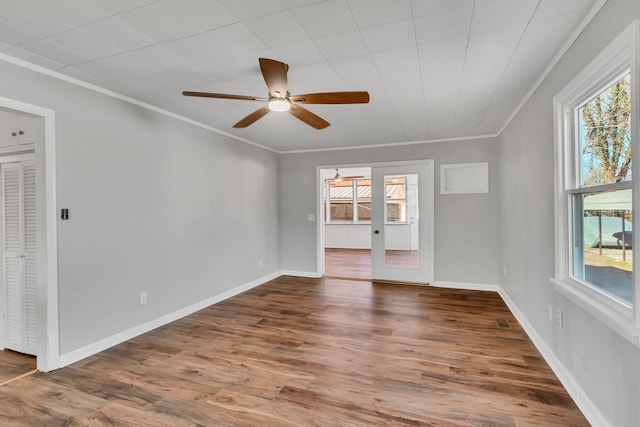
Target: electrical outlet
{"points": [[559, 318], [504, 271], [311, 217], [143, 298], [550, 312], [261, 263]]}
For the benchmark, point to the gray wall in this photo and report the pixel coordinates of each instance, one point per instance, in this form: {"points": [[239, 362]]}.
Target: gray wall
{"points": [[467, 230], [155, 205], [605, 365]]}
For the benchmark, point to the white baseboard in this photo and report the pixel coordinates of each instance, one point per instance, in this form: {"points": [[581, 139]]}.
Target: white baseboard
{"points": [[467, 286], [588, 408], [96, 347], [309, 274]]}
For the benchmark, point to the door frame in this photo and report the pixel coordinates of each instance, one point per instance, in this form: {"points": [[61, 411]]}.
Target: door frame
{"points": [[48, 353], [429, 222]]}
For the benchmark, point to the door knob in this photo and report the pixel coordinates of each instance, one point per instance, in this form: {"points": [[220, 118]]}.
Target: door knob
{"points": [[376, 231]]}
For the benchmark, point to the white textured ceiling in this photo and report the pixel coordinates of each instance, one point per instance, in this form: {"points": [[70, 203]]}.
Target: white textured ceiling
{"points": [[435, 69]]}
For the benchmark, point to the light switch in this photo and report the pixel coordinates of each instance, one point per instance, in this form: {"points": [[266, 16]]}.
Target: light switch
{"points": [[311, 217]]}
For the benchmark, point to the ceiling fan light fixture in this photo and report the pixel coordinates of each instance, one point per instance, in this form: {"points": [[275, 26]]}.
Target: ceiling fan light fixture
{"points": [[279, 104]]}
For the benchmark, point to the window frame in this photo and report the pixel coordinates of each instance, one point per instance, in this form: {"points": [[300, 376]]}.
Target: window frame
{"points": [[353, 201], [615, 61]]}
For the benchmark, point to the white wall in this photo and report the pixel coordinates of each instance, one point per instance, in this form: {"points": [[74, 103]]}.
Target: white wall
{"points": [[155, 205], [605, 366], [467, 227]]}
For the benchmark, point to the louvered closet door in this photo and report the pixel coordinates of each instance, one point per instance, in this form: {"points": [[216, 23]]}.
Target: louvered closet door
{"points": [[19, 231]]}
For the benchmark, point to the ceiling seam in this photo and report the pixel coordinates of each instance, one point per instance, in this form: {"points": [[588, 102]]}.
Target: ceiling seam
{"points": [[464, 66], [424, 94], [504, 72]]}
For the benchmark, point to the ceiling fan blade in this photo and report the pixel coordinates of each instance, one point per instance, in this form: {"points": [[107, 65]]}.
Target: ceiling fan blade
{"points": [[253, 117], [275, 76], [223, 95], [308, 117], [332, 98]]}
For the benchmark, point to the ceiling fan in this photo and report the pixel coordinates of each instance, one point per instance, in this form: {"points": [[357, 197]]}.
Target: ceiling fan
{"points": [[340, 178], [275, 75]]}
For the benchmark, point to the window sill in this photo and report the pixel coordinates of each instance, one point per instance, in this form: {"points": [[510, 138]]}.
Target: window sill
{"points": [[613, 314]]}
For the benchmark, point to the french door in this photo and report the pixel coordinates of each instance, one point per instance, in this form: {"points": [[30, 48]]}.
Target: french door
{"points": [[402, 222]]}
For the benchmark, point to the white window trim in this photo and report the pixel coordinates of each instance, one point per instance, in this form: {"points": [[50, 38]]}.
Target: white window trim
{"points": [[622, 54]]}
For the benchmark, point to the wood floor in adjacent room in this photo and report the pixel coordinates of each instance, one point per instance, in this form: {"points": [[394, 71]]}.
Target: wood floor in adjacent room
{"points": [[14, 365], [311, 352]]}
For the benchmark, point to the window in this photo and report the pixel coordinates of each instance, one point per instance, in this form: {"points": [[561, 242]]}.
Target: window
{"points": [[345, 200], [596, 126], [602, 221], [350, 200], [396, 193]]}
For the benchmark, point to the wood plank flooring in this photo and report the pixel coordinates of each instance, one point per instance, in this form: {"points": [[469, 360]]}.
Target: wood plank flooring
{"points": [[348, 263], [14, 364], [311, 352]]}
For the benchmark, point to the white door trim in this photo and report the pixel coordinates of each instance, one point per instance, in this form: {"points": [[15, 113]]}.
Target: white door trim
{"points": [[45, 157], [319, 214]]}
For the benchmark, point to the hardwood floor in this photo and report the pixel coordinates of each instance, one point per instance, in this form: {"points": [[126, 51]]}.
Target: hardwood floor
{"points": [[356, 263], [348, 263], [311, 352], [14, 364]]}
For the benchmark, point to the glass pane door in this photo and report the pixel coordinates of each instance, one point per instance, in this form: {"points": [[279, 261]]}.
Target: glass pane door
{"points": [[402, 197]]}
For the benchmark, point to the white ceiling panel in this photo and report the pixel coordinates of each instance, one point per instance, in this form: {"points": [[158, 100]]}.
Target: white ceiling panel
{"points": [[314, 78], [390, 36], [52, 50], [300, 53], [325, 19], [199, 15], [220, 43], [156, 21], [20, 14], [277, 29], [372, 13], [119, 6], [358, 73], [498, 14], [119, 34], [34, 58], [550, 8], [400, 71], [237, 67], [5, 46], [429, 7], [442, 64], [85, 44], [433, 68], [444, 25], [248, 9], [13, 35], [345, 45], [73, 12]]}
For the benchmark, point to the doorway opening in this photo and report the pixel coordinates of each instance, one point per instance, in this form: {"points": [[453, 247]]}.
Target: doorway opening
{"points": [[346, 216], [28, 241], [376, 221]]}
